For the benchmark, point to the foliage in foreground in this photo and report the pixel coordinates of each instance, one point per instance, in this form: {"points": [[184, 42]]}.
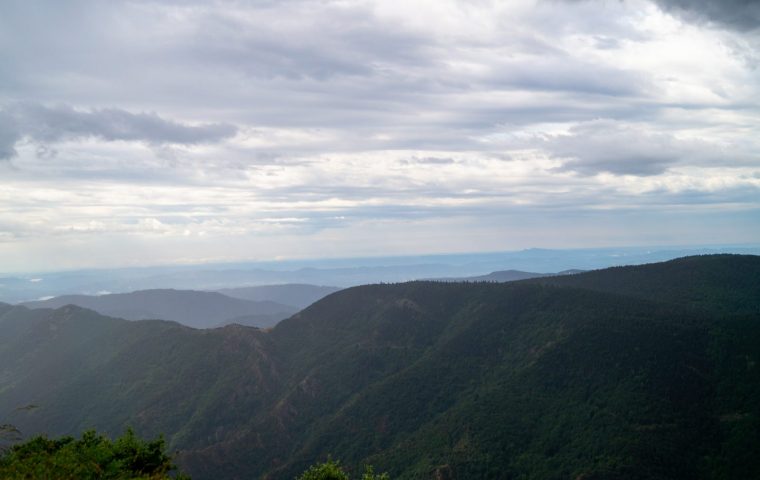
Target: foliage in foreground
{"points": [[331, 470], [91, 457]]}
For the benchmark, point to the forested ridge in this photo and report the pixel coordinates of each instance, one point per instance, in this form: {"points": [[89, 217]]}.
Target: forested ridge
{"points": [[631, 372]]}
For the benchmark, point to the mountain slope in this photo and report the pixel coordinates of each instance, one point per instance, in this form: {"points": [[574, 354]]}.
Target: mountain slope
{"points": [[718, 283], [424, 379], [85, 370], [189, 307]]}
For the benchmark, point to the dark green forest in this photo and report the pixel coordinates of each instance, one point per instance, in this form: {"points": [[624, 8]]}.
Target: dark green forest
{"points": [[643, 372]]}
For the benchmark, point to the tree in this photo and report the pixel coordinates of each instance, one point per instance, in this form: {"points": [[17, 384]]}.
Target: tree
{"points": [[331, 470], [93, 457]]}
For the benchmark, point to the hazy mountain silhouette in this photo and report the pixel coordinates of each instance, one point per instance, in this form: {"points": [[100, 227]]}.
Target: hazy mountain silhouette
{"points": [[338, 272], [297, 295], [188, 307]]}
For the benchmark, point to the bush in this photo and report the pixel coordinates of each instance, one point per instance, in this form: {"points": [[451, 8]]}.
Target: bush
{"points": [[93, 456], [331, 470]]}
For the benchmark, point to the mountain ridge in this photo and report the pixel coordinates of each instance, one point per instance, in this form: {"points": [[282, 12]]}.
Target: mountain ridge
{"points": [[197, 309], [426, 379], [296, 295], [705, 279], [505, 276]]}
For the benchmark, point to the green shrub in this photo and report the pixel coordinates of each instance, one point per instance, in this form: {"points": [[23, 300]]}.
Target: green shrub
{"points": [[93, 456], [331, 470]]}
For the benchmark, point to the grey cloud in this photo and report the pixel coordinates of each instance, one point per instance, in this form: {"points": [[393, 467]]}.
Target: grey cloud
{"points": [[45, 124], [306, 63], [8, 135], [62, 121], [606, 43], [305, 40], [742, 15], [568, 75], [606, 146], [428, 161]]}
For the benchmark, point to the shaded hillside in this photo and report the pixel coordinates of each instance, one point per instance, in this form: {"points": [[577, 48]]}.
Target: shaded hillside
{"points": [[410, 382], [719, 283], [296, 295], [423, 379], [85, 371], [188, 307]]}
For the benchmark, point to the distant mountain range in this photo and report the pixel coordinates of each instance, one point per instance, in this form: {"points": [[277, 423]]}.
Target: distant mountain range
{"points": [[646, 372], [505, 276], [192, 308], [338, 272]]}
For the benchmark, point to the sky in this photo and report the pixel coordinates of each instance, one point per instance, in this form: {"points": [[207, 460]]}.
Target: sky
{"points": [[161, 132]]}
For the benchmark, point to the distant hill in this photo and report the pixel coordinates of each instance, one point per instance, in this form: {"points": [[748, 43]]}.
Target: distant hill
{"points": [[257, 320], [426, 379], [188, 307], [505, 276], [296, 295]]}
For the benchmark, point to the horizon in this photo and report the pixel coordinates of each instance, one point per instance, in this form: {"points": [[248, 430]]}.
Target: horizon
{"points": [[338, 272], [400, 259]]}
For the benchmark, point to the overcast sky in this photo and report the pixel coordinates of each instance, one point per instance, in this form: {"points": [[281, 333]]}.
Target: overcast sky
{"points": [[157, 132]]}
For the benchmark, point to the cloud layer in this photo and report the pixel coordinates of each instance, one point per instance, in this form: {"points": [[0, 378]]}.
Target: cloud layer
{"points": [[743, 15], [193, 129], [45, 125]]}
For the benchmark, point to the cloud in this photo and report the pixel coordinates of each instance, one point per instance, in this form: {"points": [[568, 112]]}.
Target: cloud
{"points": [[605, 146], [428, 161], [43, 124], [366, 115], [741, 15], [9, 134], [343, 65]]}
